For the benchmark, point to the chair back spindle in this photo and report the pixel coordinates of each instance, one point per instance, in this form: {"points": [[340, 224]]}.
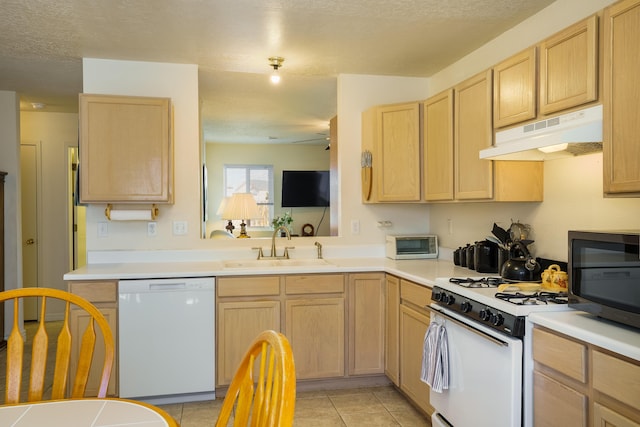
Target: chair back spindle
{"points": [[40, 349], [266, 398]]}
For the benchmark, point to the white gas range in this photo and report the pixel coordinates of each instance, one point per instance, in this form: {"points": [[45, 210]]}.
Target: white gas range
{"points": [[489, 350]]}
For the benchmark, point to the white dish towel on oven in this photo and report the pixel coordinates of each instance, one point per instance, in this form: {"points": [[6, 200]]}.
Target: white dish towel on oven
{"points": [[435, 358]]}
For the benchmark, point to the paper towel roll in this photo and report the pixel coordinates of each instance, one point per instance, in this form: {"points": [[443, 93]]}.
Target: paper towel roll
{"points": [[130, 215]]}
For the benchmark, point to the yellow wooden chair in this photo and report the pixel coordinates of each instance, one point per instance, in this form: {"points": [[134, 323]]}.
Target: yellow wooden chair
{"points": [[267, 399], [40, 348]]}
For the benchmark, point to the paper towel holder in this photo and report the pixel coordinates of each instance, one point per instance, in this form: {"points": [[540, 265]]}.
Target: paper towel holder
{"points": [[154, 211]]}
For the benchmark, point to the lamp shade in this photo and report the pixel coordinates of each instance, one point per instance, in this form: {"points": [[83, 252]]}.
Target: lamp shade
{"points": [[241, 206], [223, 205]]}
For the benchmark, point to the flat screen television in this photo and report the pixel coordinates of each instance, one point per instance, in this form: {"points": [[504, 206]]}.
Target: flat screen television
{"points": [[305, 188]]}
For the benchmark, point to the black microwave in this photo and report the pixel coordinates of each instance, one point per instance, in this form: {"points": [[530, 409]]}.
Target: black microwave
{"points": [[604, 274]]}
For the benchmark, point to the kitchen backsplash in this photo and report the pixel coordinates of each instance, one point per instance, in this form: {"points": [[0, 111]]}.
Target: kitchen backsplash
{"points": [[572, 200]]}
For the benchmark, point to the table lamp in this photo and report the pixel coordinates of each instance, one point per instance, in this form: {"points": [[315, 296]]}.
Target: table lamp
{"points": [[241, 206]]}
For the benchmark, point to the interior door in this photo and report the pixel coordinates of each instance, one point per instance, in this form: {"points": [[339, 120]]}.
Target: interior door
{"points": [[29, 164]]}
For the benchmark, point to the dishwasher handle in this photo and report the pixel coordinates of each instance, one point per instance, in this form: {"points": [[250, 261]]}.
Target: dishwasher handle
{"points": [[165, 285]]}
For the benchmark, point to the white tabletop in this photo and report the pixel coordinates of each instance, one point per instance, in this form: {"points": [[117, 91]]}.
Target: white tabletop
{"points": [[82, 413]]}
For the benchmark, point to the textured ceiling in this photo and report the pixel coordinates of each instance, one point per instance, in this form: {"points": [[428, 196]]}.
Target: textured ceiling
{"points": [[42, 43]]}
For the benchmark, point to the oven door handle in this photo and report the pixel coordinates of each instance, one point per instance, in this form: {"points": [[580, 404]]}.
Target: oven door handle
{"points": [[469, 328]]}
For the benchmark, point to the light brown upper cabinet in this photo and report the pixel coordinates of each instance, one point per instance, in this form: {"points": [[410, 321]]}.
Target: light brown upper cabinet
{"points": [[392, 134], [621, 93], [569, 67], [126, 149], [479, 179], [473, 132], [564, 76], [438, 147], [514, 89]]}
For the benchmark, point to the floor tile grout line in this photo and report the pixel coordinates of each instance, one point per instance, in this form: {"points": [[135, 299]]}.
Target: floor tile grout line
{"points": [[344, 423], [386, 410]]}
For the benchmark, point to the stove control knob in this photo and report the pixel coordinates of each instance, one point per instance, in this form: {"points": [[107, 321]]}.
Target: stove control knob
{"points": [[465, 306], [497, 319], [437, 296], [449, 300], [485, 314]]}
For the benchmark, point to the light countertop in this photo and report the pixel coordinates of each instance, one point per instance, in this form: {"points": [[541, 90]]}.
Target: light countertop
{"points": [[420, 271], [617, 338], [583, 326]]}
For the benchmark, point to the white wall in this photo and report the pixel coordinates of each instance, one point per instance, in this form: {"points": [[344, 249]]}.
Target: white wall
{"points": [[10, 163], [356, 93], [572, 187], [572, 201], [180, 83], [282, 157]]}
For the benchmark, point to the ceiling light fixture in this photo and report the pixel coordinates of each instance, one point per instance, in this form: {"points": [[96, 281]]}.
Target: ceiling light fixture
{"points": [[275, 62], [38, 105]]}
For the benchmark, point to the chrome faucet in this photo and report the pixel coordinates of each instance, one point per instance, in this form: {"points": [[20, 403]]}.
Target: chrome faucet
{"points": [[319, 249], [273, 242]]}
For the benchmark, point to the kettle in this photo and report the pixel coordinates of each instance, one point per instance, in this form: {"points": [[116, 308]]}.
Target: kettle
{"points": [[521, 266]]}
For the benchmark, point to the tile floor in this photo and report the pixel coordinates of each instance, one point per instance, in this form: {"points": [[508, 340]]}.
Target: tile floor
{"points": [[379, 406]]}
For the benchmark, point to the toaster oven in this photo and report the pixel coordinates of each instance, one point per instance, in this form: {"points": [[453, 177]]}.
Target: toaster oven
{"points": [[412, 247]]}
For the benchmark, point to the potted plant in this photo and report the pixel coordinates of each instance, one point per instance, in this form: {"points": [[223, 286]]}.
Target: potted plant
{"points": [[284, 220]]}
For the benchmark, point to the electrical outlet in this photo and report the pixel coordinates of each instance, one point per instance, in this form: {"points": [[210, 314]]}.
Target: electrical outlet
{"points": [[179, 228], [355, 226], [152, 228], [103, 229]]}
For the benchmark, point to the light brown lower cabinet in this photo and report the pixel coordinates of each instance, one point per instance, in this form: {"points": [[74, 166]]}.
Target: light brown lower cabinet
{"points": [[245, 307], [334, 322], [579, 384], [556, 404], [314, 323], [392, 329], [366, 323], [315, 328], [605, 417], [104, 295], [414, 322], [239, 322], [413, 327]]}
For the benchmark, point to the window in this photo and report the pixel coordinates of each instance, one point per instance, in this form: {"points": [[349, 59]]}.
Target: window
{"points": [[254, 179]]}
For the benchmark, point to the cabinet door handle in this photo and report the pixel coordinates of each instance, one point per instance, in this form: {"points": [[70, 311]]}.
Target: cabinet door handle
{"points": [[30, 241]]}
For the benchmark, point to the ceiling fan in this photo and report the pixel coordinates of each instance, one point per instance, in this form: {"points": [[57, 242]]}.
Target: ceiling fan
{"points": [[321, 137]]}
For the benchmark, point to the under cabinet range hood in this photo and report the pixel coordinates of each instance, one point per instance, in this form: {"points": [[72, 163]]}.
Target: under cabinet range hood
{"points": [[572, 134]]}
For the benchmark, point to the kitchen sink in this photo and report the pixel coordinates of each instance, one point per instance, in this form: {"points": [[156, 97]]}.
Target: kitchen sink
{"points": [[268, 262]]}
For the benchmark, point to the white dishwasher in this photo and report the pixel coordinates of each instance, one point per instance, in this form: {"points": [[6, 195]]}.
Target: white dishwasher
{"points": [[166, 336]]}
